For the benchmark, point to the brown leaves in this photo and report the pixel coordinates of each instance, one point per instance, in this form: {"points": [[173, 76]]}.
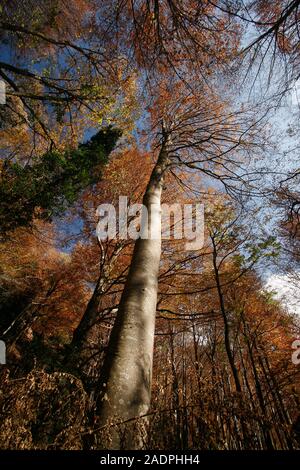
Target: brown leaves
{"points": [[42, 411]]}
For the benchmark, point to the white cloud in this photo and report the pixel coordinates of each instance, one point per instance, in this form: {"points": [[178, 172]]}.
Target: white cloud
{"points": [[287, 290]]}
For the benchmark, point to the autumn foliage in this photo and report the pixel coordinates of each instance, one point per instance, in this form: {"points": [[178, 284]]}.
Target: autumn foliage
{"points": [[124, 98]]}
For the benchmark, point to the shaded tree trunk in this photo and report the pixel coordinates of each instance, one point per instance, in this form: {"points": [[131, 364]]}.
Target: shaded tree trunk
{"points": [[83, 355], [225, 320], [24, 320], [90, 317]]}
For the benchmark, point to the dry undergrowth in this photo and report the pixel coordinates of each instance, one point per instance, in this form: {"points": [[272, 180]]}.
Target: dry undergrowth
{"points": [[42, 411]]}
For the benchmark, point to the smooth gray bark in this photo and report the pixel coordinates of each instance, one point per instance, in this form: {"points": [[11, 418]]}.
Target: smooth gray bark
{"points": [[125, 387]]}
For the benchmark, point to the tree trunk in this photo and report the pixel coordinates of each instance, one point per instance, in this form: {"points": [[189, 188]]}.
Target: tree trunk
{"points": [[225, 321], [125, 383], [83, 354], [90, 317], [24, 320]]}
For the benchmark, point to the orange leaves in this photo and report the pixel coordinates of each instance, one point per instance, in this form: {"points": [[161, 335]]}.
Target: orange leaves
{"points": [[183, 38], [280, 17], [127, 174], [270, 11]]}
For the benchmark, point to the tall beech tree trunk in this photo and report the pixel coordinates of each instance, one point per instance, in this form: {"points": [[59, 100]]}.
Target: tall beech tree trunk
{"points": [[125, 383]]}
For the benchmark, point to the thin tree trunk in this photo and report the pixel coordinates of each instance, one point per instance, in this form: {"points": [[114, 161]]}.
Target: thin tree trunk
{"points": [[24, 320], [84, 355], [81, 353], [266, 432], [88, 320], [125, 382], [225, 321], [175, 393]]}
